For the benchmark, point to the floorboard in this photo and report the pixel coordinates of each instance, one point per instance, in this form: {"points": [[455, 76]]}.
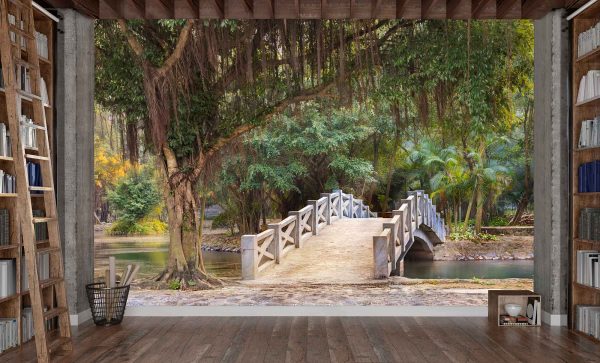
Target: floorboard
{"points": [[318, 339]]}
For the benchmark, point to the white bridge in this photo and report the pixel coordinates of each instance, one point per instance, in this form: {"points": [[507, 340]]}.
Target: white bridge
{"points": [[340, 230]]}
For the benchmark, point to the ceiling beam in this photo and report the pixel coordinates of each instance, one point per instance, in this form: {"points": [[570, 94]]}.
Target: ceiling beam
{"points": [[458, 9], [220, 6], [314, 9], [408, 9], [186, 9], [483, 9], [159, 9], [508, 9]]}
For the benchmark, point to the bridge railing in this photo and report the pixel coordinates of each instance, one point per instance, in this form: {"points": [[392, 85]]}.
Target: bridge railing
{"points": [[262, 250], [321, 216], [391, 245], [258, 252]]}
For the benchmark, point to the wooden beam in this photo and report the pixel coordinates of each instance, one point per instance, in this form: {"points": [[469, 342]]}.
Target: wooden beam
{"points": [[483, 9], [433, 9], [87, 7], [458, 9], [250, 5], [186, 9], [313, 9], [110, 9], [239, 9], [159, 9], [408, 9], [425, 6], [508, 9]]}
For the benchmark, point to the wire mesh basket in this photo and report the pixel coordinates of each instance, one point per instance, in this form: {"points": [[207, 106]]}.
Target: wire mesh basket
{"points": [[107, 304]]}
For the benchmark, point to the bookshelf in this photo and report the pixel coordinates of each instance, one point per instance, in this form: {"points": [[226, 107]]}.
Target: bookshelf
{"points": [[586, 109], [16, 306]]}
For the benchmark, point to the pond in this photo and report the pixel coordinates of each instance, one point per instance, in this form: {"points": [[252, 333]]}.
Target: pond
{"points": [[152, 256], [469, 269]]}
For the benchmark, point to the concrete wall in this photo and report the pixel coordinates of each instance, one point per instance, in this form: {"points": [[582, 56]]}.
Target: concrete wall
{"points": [[551, 165], [75, 155]]}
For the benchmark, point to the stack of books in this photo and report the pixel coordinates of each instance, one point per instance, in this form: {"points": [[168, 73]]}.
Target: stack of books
{"points": [[40, 229], [589, 86], [588, 40], [12, 20], [4, 227], [34, 175], [41, 42], [8, 183], [589, 224], [5, 146], [25, 79], [589, 135], [27, 324], [589, 177], [588, 319], [28, 132], [588, 272], [514, 320], [9, 334], [8, 277], [43, 265]]}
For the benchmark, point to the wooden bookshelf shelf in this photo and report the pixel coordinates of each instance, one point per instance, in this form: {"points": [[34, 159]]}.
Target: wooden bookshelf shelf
{"points": [[586, 110], [8, 298], [586, 194], [592, 102], [587, 148], [589, 288], [6, 158], [8, 195], [589, 56]]}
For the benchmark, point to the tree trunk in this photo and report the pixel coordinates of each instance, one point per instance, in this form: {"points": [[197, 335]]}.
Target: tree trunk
{"points": [[185, 261], [132, 143], [470, 205], [479, 210]]}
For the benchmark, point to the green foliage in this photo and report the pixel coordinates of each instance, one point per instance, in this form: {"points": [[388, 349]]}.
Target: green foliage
{"points": [[174, 285], [118, 86], [146, 226], [224, 220], [499, 221], [462, 233], [136, 197]]}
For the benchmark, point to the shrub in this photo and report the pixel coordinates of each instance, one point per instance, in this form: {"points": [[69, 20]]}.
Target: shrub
{"points": [[142, 227], [224, 220], [136, 200]]}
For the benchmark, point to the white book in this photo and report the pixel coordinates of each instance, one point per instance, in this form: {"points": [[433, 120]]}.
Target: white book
{"points": [[583, 134], [581, 93], [3, 279]]}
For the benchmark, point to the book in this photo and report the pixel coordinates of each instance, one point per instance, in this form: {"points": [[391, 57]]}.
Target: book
{"points": [[587, 320], [8, 285]]}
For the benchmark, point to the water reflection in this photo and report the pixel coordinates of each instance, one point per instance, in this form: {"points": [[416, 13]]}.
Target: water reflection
{"points": [[469, 269], [152, 258]]}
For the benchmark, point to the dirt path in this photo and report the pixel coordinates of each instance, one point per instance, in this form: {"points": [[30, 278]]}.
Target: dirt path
{"points": [[342, 252]]}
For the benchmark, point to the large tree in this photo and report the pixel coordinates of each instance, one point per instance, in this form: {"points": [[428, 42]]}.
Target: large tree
{"points": [[206, 83]]}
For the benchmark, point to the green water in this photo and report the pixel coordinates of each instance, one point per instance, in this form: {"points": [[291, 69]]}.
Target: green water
{"points": [[469, 269], [152, 257]]}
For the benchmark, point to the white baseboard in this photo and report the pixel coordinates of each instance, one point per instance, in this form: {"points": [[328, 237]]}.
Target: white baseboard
{"points": [[80, 318], [441, 311], [554, 319]]}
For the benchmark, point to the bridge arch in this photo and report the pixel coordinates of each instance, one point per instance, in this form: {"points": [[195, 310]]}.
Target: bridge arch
{"points": [[421, 249]]}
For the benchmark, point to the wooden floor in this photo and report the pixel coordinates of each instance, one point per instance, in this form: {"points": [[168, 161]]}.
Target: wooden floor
{"points": [[320, 339]]}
